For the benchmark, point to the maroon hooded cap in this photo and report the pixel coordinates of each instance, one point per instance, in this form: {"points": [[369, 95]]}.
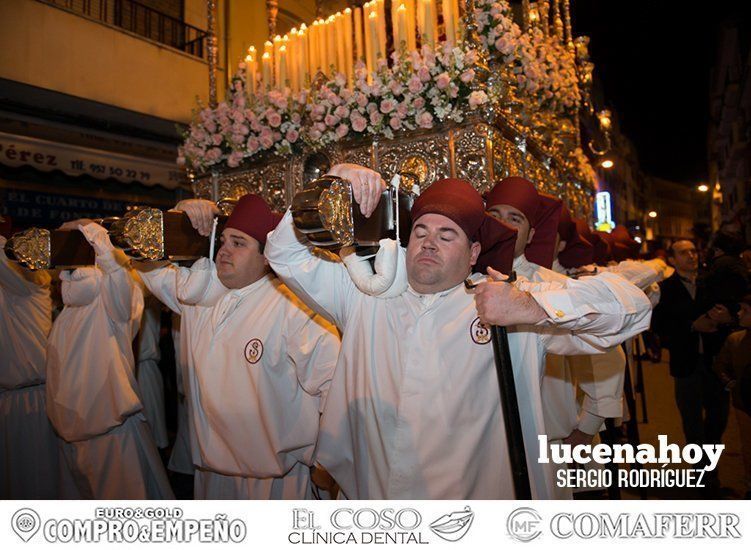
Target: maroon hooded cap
{"points": [[566, 225], [457, 200], [579, 250], [625, 246], [461, 203], [253, 216], [497, 241], [541, 210], [603, 244]]}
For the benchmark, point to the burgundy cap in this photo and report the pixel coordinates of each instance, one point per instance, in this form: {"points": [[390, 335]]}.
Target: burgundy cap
{"points": [[497, 241], [579, 250], [625, 246], [457, 200], [253, 216], [566, 225], [541, 210], [603, 247]]}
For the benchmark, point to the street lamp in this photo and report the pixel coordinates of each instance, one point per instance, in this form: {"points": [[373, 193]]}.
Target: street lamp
{"points": [[652, 214], [703, 188], [607, 164]]}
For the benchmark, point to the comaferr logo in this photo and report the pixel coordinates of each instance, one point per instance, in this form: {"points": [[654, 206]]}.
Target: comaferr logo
{"points": [[523, 524], [479, 332]]}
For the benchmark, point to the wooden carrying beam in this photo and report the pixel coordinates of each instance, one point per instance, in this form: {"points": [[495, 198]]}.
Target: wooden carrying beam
{"points": [[142, 233]]}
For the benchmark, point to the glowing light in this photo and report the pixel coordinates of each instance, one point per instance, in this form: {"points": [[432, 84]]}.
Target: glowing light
{"points": [[703, 188], [607, 164], [652, 214]]}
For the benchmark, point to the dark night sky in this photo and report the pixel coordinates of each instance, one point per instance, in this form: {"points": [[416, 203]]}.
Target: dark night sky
{"points": [[654, 59]]}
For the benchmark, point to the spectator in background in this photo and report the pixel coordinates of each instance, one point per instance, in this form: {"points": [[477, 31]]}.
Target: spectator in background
{"points": [[733, 366], [681, 323]]}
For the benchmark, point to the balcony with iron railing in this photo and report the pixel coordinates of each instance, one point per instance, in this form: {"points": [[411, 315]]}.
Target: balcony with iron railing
{"points": [[141, 20]]}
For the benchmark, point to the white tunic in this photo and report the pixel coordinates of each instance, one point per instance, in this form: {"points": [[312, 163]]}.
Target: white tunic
{"points": [[25, 323], [259, 364], [92, 395], [150, 382], [29, 457], [91, 386], [413, 410], [599, 377]]}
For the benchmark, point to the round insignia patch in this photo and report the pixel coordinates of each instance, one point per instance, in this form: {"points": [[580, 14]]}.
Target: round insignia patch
{"points": [[479, 332], [253, 351]]}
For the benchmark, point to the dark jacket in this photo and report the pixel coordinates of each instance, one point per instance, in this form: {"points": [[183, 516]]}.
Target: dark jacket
{"points": [[672, 319]]}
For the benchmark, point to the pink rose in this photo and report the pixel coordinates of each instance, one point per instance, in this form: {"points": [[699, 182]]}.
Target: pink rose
{"points": [[425, 120], [395, 123], [314, 134], [387, 105], [358, 122], [331, 120], [214, 154], [467, 76], [442, 80], [252, 145], [292, 135], [342, 130], [414, 85], [273, 118], [216, 139], [362, 100], [424, 74], [342, 111], [266, 141], [375, 118], [234, 159], [476, 99], [418, 103]]}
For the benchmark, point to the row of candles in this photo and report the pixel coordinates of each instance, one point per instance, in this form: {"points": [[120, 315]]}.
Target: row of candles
{"points": [[337, 42]]}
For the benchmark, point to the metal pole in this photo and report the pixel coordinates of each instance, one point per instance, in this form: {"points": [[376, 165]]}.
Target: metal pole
{"points": [[510, 407], [511, 417]]}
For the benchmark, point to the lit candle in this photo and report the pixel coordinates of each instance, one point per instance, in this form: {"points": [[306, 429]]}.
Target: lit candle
{"points": [[375, 50], [266, 69], [304, 55], [331, 46], [449, 20], [282, 82], [292, 53], [427, 30], [400, 28], [341, 45], [411, 24], [366, 36], [359, 50], [250, 71], [323, 45], [277, 45], [348, 53], [381, 10], [313, 49]]}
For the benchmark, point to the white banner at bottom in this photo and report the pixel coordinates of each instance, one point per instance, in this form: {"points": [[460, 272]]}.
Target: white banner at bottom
{"points": [[423, 524]]}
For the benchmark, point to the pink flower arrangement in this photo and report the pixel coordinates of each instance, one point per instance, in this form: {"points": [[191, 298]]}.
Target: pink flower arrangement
{"points": [[414, 90], [419, 90], [239, 127]]}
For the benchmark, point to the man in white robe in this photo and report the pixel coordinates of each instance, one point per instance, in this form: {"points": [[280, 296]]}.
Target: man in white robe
{"points": [[540, 220], [92, 394], [413, 410], [258, 361], [29, 456]]}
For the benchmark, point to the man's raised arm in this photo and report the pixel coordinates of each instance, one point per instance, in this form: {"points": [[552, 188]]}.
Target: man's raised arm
{"points": [[320, 280]]}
